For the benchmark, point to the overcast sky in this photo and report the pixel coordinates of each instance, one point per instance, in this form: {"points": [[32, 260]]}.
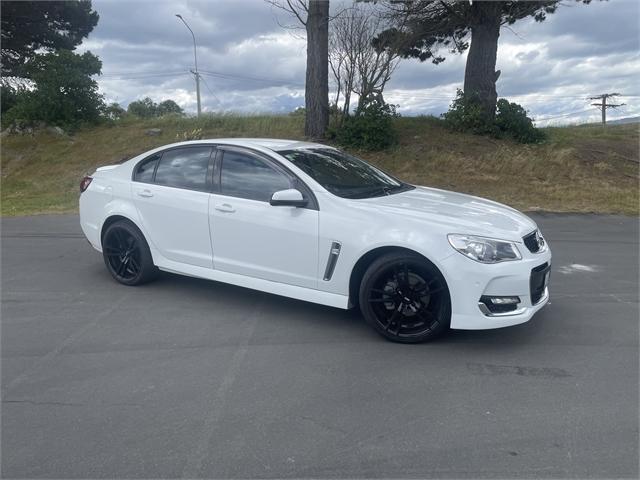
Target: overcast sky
{"points": [[251, 64]]}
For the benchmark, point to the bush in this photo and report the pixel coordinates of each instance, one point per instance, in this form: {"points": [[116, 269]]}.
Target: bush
{"points": [[511, 120], [370, 128], [465, 115]]}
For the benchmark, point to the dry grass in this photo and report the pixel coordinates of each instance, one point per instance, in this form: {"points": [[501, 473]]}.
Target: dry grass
{"points": [[580, 169]]}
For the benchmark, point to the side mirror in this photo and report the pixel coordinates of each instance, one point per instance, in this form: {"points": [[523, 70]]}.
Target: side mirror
{"points": [[288, 198]]}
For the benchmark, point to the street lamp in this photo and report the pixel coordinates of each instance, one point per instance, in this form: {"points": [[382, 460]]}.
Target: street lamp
{"points": [[195, 59]]}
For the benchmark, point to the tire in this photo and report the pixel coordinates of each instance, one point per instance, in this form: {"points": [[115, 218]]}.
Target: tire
{"points": [[405, 298], [126, 254]]}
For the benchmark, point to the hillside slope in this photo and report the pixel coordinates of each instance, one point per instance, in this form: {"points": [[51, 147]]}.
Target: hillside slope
{"points": [[580, 169]]}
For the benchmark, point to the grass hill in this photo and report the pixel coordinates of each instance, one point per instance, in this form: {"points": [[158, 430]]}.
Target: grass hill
{"points": [[579, 169]]}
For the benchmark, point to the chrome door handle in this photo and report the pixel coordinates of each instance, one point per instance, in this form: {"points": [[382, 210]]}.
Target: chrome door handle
{"points": [[225, 207], [145, 193]]}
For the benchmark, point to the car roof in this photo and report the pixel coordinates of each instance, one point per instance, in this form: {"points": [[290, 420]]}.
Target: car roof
{"points": [[269, 143]]}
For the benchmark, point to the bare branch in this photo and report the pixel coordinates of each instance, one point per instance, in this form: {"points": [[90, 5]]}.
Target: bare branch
{"points": [[298, 8]]}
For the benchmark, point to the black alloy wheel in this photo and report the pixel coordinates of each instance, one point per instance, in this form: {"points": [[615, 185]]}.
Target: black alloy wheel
{"points": [[126, 254], [405, 298]]}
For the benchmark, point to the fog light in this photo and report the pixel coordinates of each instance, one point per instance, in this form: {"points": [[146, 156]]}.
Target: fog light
{"points": [[504, 300], [495, 305]]}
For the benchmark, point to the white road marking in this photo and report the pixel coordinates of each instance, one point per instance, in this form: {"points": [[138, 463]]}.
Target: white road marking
{"points": [[578, 268]]}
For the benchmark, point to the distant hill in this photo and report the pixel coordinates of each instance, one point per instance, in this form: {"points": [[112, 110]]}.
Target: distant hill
{"points": [[623, 121]]}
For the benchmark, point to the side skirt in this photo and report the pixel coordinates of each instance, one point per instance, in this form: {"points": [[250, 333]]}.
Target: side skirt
{"points": [[291, 291]]}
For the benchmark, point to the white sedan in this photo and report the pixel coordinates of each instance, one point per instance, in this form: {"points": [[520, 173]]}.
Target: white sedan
{"points": [[311, 222]]}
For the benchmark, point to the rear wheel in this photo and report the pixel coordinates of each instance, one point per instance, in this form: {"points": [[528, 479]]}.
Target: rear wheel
{"points": [[127, 255], [405, 298]]}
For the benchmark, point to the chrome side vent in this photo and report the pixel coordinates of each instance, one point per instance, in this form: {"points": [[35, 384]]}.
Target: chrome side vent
{"points": [[334, 253]]}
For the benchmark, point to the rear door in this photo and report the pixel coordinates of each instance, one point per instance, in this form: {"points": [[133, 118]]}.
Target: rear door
{"points": [[250, 236], [171, 192]]}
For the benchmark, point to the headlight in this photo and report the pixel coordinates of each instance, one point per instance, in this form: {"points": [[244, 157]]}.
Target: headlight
{"points": [[484, 250]]}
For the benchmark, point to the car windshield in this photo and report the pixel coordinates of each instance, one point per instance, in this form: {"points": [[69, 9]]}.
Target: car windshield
{"points": [[342, 174]]}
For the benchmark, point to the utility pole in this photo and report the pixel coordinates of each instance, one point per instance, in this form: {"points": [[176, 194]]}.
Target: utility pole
{"points": [[603, 105], [195, 59]]}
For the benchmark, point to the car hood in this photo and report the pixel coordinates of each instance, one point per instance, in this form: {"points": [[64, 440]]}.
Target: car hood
{"points": [[458, 212]]}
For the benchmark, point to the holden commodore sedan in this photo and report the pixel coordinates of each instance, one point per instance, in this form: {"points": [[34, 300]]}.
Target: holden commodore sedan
{"points": [[311, 222]]}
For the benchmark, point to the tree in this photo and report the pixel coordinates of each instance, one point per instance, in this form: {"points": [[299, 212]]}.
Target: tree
{"points": [[9, 97], [168, 107], [63, 92], [147, 108], [422, 26], [36, 26], [114, 111], [316, 94], [357, 65], [314, 16], [144, 108]]}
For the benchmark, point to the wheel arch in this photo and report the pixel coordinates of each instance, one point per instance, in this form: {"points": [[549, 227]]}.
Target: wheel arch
{"points": [[113, 218], [363, 263]]}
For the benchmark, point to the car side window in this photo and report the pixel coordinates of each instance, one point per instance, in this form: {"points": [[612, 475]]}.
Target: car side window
{"points": [[144, 172], [184, 168], [246, 176]]}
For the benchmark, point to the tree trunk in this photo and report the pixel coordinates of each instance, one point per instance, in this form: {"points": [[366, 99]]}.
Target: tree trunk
{"points": [[316, 93], [480, 74]]}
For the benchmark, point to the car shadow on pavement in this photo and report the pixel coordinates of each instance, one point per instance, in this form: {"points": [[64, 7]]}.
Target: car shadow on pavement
{"points": [[343, 322]]}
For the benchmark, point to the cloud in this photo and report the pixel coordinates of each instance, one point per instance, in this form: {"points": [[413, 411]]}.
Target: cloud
{"points": [[249, 63]]}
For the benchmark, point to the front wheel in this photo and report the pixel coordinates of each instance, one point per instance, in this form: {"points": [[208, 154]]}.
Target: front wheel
{"points": [[127, 255], [405, 298]]}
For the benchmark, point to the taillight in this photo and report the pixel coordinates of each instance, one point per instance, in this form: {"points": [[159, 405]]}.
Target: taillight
{"points": [[84, 184]]}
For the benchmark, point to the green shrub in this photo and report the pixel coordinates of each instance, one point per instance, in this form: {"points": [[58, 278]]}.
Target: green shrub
{"points": [[511, 120], [465, 115], [370, 128]]}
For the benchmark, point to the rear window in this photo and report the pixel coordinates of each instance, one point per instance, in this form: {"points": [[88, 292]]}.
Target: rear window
{"points": [[184, 168], [145, 170]]}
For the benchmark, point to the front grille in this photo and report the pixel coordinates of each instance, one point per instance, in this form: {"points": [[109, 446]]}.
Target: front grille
{"points": [[531, 241], [538, 282]]}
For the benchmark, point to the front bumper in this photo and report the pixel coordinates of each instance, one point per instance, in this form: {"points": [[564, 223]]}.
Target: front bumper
{"points": [[469, 280]]}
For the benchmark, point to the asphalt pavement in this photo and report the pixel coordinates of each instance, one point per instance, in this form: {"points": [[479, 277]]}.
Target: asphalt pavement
{"points": [[191, 378]]}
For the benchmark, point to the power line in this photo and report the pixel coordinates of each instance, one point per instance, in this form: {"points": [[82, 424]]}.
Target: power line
{"points": [[232, 76], [159, 72], [563, 115], [142, 76], [211, 92]]}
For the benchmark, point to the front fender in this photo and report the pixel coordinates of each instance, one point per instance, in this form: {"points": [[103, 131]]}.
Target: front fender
{"points": [[362, 236]]}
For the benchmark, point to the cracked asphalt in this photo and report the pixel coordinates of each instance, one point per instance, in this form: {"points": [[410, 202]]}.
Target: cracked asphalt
{"points": [[190, 378]]}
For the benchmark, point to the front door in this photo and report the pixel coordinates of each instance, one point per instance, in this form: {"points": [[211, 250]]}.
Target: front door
{"points": [[250, 236]]}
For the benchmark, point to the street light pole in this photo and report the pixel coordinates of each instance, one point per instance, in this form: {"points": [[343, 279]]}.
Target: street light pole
{"points": [[195, 59]]}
